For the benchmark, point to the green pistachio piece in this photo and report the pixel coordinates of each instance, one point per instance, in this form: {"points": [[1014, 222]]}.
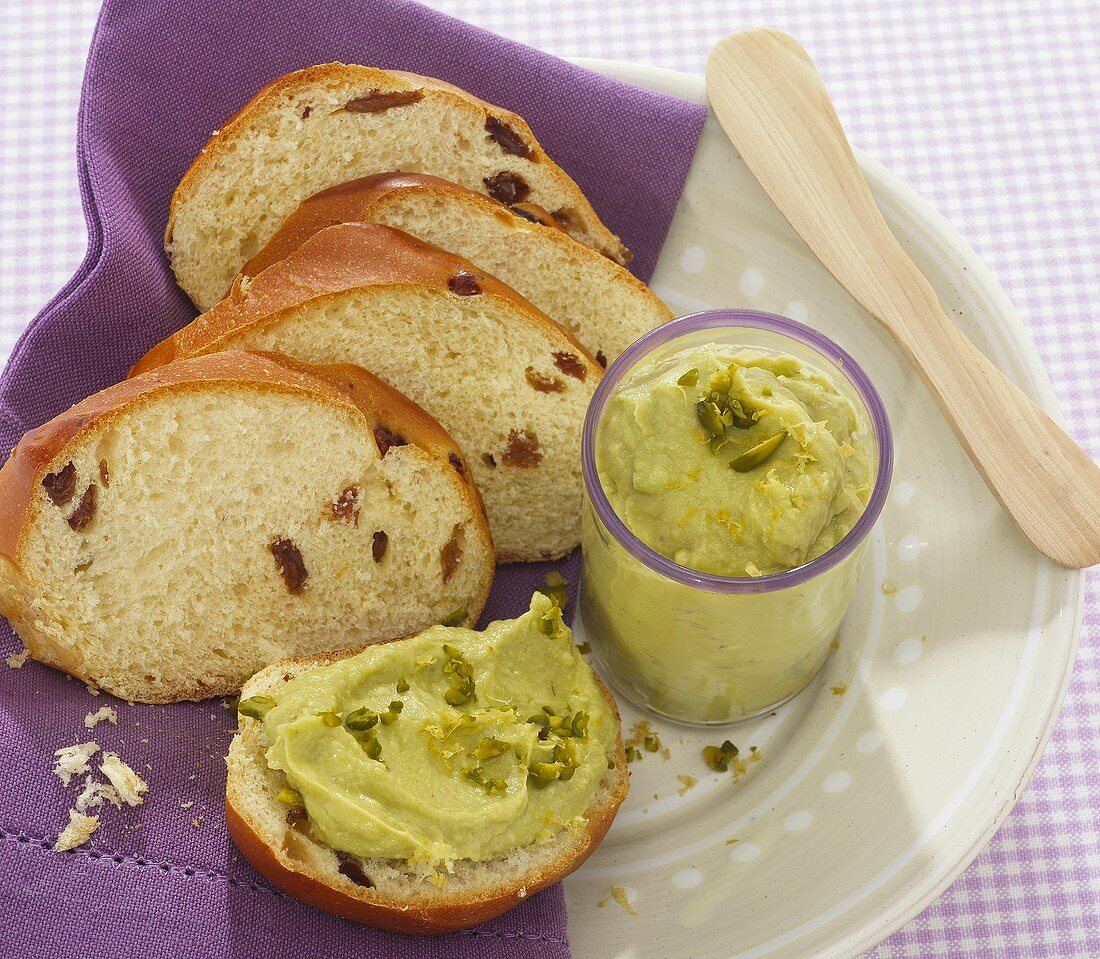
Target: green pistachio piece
{"points": [[710, 416], [453, 652], [567, 772], [373, 748], [690, 378], [402, 685], [545, 773], [490, 749], [579, 725], [720, 757], [753, 457], [290, 797], [256, 707], [652, 743], [633, 753], [739, 417], [455, 697], [361, 719], [457, 618], [331, 720]]}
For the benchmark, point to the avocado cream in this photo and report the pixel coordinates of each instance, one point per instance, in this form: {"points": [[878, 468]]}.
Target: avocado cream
{"points": [[731, 459], [736, 463], [453, 744]]}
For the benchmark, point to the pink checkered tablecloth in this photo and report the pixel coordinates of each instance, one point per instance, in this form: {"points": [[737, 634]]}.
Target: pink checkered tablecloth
{"points": [[988, 109]]}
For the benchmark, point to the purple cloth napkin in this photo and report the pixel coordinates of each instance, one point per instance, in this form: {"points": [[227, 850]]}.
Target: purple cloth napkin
{"points": [[164, 879]]}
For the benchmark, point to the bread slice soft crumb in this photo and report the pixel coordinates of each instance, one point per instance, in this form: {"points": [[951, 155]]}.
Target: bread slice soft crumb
{"points": [[129, 785], [103, 714], [73, 760], [95, 794], [78, 832], [16, 660]]}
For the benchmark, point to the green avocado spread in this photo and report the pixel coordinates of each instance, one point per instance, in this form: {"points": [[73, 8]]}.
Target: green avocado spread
{"points": [[736, 463], [452, 744]]}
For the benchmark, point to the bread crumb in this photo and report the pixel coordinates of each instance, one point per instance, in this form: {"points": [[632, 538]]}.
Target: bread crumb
{"points": [[187, 805], [129, 784], [95, 794], [688, 781], [197, 821], [78, 832], [91, 689], [16, 660], [840, 689], [103, 714], [73, 760]]}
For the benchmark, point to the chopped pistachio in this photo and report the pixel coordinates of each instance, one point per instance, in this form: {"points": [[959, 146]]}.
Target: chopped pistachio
{"points": [[690, 378], [579, 725], [720, 757], [652, 743], [361, 719], [291, 797], [330, 719], [402, 685], [490, 749], [758, 454], [455, 697], [457, 618], [255, 707], [633, 753]]}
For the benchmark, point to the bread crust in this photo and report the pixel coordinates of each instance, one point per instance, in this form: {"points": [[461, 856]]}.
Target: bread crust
{"points": [[334, 75], [343, 386], [439, 914], [333, 261]]}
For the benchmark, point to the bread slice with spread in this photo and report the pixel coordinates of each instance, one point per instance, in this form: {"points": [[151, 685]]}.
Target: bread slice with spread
{"points": [[602, 304], [508, 383], [429, 784], [335, 122], [170, 535]]}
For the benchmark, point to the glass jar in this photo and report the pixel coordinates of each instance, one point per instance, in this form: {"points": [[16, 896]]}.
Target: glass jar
{"points": [[697, 647]]}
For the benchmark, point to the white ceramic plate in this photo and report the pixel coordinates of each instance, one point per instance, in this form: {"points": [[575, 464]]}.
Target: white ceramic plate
{"points": [[872, 797]]}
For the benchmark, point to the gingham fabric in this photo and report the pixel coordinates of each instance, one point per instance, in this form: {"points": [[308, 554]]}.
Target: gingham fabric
{"points": [[988, 109]]}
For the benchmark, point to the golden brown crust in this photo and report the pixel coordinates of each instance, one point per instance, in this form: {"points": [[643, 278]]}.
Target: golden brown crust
{"points": [[438, 914], [344, 386], [338, 259], [338, 74], [356, 201]]}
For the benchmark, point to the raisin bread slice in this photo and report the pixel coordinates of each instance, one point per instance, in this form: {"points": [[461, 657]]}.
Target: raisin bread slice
{"points": [[330, 123], [387, 893], [167, 537], [506, 381], [604, 305]]}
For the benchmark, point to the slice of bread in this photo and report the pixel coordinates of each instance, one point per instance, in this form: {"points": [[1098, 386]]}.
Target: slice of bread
{"points": [[602, 304], [167, 537], [508, 383], [327, 124], [397, 898]]}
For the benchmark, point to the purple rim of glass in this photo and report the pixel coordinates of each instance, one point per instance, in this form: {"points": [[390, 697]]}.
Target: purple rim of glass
{"points": [[732, 320]]}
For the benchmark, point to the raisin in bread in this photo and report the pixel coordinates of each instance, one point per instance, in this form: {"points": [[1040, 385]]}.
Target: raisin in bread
{"points": [[604, 305], [167, 537], [386, 893], [327, 124], [506, 381]]}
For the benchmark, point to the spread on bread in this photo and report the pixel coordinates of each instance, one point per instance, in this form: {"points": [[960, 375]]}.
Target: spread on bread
{"points": [[453, 744]]}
